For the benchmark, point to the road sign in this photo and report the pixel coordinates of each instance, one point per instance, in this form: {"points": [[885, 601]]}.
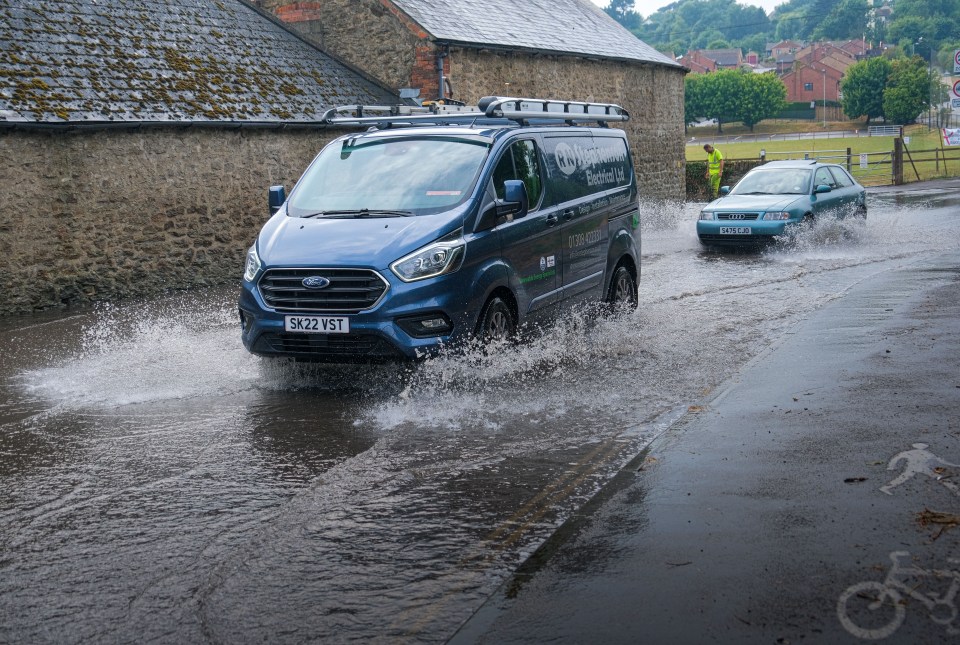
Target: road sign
{"points": [[864, 160], [955, 104], [956, 62], [951, 137], [956, 89]]}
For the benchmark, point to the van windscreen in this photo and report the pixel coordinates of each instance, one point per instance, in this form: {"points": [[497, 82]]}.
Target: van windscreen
{"points": [[414, 175]]}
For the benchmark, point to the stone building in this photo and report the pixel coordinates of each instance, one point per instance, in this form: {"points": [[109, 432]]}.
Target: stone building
{"points": [[138, 137], [563, 49]]}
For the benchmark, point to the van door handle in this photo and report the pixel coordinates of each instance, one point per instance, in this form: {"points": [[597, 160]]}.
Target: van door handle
{"points": [[567, 216], [552, 219]]}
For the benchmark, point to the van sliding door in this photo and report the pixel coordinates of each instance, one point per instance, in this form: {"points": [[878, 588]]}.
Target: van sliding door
{"points": [[585, 175]]}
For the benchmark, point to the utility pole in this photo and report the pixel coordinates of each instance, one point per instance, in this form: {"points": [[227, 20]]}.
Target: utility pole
{"points": [[824, 98]]}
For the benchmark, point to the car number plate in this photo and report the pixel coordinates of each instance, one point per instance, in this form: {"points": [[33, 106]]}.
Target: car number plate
{"points": [[317, 324], [735, 230]]}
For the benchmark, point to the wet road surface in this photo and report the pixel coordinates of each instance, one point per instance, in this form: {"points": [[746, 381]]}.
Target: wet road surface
{"points": [[160, 484]]}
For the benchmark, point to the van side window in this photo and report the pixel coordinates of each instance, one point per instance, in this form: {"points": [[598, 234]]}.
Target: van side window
{"points": [[580, 166], [520, 161]]}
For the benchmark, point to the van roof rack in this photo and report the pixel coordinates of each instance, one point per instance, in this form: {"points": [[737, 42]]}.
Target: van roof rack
{"points": [[524, 110], [490, 110]]}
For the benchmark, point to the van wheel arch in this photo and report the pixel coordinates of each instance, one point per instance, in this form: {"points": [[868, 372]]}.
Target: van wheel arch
{"points": [[499, 295], [624, 276]]}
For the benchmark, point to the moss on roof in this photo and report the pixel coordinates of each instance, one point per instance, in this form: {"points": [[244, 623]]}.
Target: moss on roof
{"points": [[164, 60]]}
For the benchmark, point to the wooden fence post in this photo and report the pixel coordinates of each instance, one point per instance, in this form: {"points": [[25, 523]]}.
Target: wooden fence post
{"points": [[849, 158], [897, 162]]}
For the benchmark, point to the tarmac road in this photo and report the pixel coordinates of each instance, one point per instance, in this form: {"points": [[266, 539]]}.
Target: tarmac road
{"points": [[775, 513]]}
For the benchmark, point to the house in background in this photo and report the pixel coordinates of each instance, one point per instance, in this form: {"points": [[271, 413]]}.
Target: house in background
{"points": [[725, 58], [817, 72], [783, 48], [697, 63], [464, 50], [809, 83], [143, 136]]}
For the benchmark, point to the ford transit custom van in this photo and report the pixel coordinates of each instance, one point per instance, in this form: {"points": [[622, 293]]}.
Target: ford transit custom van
{"points": [[435, 226]]}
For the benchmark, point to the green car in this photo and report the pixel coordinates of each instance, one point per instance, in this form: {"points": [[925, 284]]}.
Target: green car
{"points": [[774, 199]]}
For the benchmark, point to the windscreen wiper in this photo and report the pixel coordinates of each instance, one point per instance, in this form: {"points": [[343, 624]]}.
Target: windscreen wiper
{"points": [[357, 213]]}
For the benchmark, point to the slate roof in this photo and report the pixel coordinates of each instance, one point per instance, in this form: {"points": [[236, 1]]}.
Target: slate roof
{"points": [[164, 60], [724, 57], [575, 27]]}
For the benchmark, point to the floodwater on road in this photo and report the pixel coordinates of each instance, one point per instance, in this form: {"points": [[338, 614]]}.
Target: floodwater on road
{"points": [[159, 483]]}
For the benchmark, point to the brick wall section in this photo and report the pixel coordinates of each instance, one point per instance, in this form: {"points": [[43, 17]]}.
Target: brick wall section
{"points": [[371, 35], [102, 215], [300, 11], [424, 74]]}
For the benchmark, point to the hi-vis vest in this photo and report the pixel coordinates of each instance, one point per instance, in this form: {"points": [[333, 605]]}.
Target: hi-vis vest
{"points": [[714, 159]]}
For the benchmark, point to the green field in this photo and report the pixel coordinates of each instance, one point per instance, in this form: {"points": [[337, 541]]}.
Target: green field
{"points": [[923, 146]]}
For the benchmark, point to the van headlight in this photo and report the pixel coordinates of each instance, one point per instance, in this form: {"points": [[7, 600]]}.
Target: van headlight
{"points": [[438, 258], [253, 264]]}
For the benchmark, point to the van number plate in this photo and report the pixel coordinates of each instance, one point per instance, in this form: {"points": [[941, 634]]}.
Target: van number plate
{"points": [[735, 230], [317, 324]]}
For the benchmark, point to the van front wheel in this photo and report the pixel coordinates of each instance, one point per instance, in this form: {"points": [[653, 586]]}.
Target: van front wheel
{"points": [[623, 290], [496, 323]]}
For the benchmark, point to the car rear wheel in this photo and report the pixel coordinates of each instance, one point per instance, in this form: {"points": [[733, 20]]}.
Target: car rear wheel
{"points": [[622, 293], [497, 323]]}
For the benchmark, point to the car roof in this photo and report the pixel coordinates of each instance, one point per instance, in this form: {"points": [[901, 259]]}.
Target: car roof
{"points": [[794, 163]]}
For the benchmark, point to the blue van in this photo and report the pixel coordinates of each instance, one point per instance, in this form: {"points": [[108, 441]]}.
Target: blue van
{"points": [[442, 224]]}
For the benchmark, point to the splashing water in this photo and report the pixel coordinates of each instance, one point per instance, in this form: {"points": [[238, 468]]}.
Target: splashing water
{"points": [[168, 350]]}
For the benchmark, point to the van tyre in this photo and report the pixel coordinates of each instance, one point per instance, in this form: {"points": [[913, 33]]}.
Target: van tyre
{"points": [[623, 290], [496, 323]]}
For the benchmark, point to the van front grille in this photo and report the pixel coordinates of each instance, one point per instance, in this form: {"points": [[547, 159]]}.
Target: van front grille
{"points": [[347, 290]]}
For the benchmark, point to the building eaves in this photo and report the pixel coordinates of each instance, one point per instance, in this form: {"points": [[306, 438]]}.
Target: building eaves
{"points": [[174, 61], [562, 27]]}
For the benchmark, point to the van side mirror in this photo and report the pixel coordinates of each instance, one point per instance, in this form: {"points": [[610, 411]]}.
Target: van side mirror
{"points": [[724, 190], [276, 195], [515, 201], [823, 188]]}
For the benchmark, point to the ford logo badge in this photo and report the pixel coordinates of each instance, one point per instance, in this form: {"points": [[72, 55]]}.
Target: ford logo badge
{"points": [[315, 282]]}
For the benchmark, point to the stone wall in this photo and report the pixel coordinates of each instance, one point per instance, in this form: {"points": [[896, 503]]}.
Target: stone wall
{"points": [[95, 215], [652, 94]]}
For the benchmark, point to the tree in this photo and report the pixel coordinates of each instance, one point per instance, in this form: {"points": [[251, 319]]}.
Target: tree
{"points": [[908, 90], [624, 12], [847, 20], [763, 96], [720, 95], [733, 95], [693, 104], [863, 87]]}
